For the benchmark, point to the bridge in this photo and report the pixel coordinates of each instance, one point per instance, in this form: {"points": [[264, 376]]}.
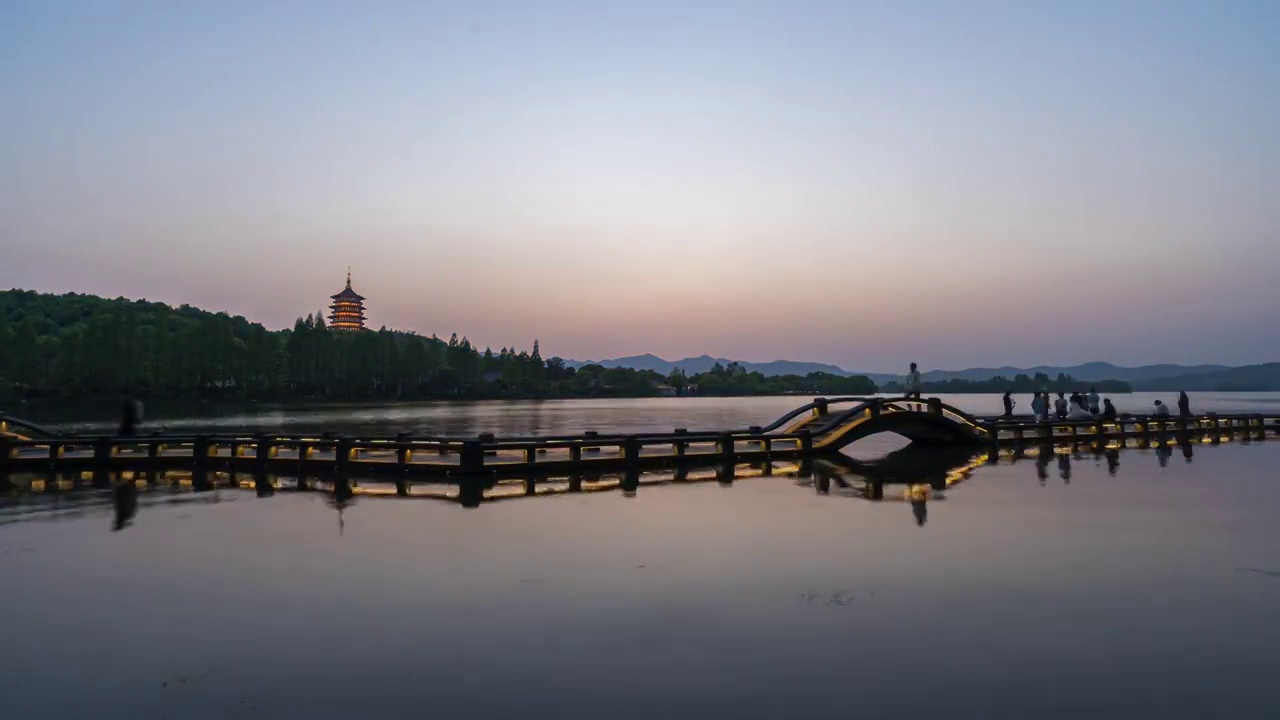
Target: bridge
{"points": [[916, 476], [822, 427], [835, 475]]}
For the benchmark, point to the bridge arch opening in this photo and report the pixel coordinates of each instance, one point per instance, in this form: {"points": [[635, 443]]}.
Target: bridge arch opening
{"points": [[876, 446]]}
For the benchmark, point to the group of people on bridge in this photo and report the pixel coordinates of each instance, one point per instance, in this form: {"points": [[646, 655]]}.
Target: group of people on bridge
{"points": [[1080, 406], [1077, 407]]}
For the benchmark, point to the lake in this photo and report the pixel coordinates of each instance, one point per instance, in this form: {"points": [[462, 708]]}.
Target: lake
{"points": [[1139, 582], [553, 417]]}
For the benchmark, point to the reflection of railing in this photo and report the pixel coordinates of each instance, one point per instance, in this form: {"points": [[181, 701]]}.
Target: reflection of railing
{"points": [[914, 470]]}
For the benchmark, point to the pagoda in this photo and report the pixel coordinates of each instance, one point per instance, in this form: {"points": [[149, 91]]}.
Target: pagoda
{"points": [[347, 310]]}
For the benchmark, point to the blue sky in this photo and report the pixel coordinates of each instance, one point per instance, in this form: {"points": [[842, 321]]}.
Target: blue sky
{"points": [[858, 183]]}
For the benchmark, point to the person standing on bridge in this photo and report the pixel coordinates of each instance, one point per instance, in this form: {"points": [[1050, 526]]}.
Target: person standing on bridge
{"points": [[128, 419], [1008, 403], [1108, 411], [1040, 406], [1060, 406], [913, 382], [1094, 401], [1184, 404]]}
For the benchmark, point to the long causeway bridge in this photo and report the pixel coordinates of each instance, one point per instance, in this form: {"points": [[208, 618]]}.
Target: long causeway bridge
{"points": [[820, 428]]}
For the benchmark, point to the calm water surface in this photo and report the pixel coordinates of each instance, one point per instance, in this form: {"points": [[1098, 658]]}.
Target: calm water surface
{"points": [[1145, 584], [560, 417]]}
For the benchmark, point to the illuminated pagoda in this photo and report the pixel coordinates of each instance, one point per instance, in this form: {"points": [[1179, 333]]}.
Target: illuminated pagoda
{"points": [[347, 310]]}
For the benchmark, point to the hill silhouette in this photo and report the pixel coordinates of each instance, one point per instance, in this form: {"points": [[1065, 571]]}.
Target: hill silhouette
{"points": [[1162, 376]]}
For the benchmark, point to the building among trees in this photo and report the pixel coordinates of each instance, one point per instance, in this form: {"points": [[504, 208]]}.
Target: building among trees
{"points": [[347, 310]]}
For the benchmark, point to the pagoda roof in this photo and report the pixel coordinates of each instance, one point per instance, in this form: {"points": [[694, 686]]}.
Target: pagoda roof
{"points": [[347, 293]]}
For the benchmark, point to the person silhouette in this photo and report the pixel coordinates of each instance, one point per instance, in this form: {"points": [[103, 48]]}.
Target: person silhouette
{"points": [[1108, 410], [1184, 404], [1008, 404], [128, 419], [913, 382]]}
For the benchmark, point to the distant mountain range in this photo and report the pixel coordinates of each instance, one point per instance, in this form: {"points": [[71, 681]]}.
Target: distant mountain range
{"points": [[703, 363], [1087, 372], [1265, 377], [1163, 376]]}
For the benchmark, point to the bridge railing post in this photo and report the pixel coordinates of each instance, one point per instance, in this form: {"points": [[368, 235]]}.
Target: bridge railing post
{"points": [[471, 461], [806, 442], [821, 406], [103, 451], [631, 450], [8, 451], [935, 406], [681, 447], [265, 450], [200, 450], [342, 452], [727, 449]]}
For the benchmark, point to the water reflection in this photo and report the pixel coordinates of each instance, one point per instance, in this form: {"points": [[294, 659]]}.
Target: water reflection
{"points": [[124, 498], [342, 497], [915, 475]]}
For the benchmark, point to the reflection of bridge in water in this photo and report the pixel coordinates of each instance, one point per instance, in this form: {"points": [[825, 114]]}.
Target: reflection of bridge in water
{"points": [[915, 475], [818, 429]]}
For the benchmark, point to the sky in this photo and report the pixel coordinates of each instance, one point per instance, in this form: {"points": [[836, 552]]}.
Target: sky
{"points": [[861, 183]]}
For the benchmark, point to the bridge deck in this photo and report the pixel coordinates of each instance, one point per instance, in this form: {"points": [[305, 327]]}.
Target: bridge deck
{"points": [[811, 430]]}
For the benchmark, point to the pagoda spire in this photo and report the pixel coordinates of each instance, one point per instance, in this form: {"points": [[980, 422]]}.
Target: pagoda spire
{"points": [[348, 276]]}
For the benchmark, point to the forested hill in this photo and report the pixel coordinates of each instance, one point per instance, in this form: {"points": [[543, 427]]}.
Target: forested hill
{"points": [[81, 345], [85, 346]]}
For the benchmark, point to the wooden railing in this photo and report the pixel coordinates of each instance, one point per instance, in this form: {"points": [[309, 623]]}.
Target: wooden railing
{"points": [[398, 454], [485, 453]]}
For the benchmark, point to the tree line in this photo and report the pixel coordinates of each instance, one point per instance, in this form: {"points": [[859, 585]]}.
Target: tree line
{"points": [[78, 346], [1020, 384]]}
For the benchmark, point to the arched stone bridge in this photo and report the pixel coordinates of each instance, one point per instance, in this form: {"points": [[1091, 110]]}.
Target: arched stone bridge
{"points": [[924, 421]]}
